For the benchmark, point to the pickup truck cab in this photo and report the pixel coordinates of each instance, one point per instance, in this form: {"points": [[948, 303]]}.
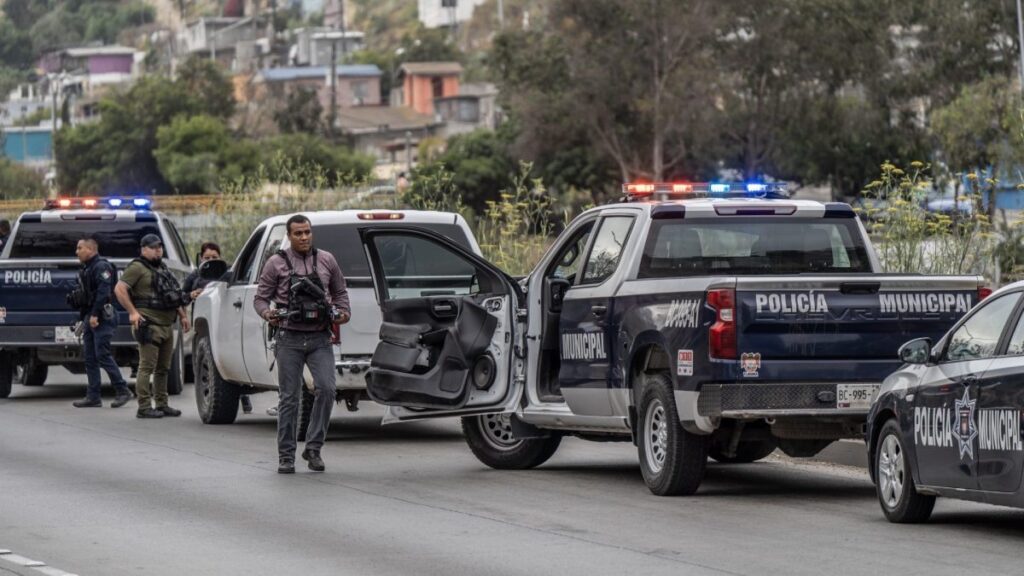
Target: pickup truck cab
{"points": [[38, 268], [232, 351], [695, 320]]}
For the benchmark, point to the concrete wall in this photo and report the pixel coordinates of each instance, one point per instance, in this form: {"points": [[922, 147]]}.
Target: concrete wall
{"points": [[111, 64]]}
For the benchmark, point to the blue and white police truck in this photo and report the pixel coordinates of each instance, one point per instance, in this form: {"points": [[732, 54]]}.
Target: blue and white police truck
{"points": [[694, 319], [38, 268]]}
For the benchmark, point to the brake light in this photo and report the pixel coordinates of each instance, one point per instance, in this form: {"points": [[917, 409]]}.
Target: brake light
{"points": [[722, 335], [984, 292], [380, 216]]}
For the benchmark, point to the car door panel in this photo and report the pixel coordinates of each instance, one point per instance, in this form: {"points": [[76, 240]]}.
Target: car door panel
{"points": [[1000, 404], [447, 337]]}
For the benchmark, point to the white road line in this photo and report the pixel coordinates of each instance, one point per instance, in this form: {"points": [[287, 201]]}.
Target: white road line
{"points": [[36, 565]]}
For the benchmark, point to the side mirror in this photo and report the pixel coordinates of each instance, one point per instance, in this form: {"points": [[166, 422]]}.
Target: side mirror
{"points": [[213, 270], [917, 351]]}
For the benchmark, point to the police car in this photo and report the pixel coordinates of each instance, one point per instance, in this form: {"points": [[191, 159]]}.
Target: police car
{"points": [[38, 268], [948, 422], [693, 319]]}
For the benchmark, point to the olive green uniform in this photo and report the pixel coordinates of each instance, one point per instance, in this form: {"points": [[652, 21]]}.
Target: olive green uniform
{"points": [[155, 356]]}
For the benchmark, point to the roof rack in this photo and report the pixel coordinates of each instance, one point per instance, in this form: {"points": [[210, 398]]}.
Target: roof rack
{"points": [[646, 191]]}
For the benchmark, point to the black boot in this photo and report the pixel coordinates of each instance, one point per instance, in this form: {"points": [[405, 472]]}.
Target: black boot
{"points": [[87, 403], [286, 466], [168, 411], [149, 413], [122, 398], [316, 464]]}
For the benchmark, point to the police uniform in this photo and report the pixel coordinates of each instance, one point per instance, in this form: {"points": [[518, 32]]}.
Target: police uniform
{"points": [[96, 281], [155, 336]]}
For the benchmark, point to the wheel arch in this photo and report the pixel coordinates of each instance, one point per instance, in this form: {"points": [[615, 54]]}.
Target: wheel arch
{"points": [[648, 353]]}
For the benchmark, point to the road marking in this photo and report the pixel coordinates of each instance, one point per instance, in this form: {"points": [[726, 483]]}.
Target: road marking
{"points": [[36, 565]]}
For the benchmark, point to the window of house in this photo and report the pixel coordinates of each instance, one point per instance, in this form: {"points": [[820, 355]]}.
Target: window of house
{"points": [[359, 92], [437, 86]]}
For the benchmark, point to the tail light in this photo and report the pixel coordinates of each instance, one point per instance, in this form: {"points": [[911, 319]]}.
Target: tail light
{"points": [[722, 336], [380, 215], [984, 292]]}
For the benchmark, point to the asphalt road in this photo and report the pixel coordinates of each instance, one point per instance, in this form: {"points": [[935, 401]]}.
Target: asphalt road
{"points": [[97, 492]]}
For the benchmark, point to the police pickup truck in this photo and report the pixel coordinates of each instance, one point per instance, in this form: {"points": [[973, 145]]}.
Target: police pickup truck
{"points": [[38, 268], [696, 320], [232, 350]]}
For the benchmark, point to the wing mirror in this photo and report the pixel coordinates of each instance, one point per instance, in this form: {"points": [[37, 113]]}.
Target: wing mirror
{"points": [[918, 351], [213, 270]]}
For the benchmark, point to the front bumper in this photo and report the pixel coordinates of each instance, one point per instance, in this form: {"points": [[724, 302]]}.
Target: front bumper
{"points": [[768, 400]]}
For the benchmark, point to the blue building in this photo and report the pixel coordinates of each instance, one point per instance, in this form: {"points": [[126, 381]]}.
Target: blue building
{"points": [[31, 146]]}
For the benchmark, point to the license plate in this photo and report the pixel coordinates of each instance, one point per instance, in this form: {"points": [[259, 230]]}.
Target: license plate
{"points": [[855, 396], [64, 335]]}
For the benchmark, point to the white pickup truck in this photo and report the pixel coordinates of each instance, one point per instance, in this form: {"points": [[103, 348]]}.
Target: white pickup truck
{"points": [[231, 355]]}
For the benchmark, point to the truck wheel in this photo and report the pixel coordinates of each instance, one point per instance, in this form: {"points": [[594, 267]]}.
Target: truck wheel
{"points": [[900, 500], [490, 438], [216, 398], [176, 375], [7, 368], [306, 399], [672, 460], [746, 452], [35, 373]]}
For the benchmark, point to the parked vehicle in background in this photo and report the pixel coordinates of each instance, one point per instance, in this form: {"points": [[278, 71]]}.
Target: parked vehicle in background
{"points": [[38, 268]]}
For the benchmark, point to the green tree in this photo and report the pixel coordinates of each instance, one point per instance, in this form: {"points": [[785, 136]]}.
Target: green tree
{"points": [[310, 159], [302, 112], [189, 152], [209, 86], [480, 166], [16, 181], [24, 13]]}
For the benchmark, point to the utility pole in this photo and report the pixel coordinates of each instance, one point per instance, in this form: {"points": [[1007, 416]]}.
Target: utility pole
{"points": [[334, 88], [501, 15], [1020, 43]]}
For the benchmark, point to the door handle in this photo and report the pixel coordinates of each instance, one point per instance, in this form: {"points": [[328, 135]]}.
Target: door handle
{"points": [[444, 308], [599, 310], [237, 304]]}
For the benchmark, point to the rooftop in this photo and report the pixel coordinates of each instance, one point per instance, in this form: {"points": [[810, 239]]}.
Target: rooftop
{"points": [[431, 68], [289, 73], [87, 51], [369, 119]]}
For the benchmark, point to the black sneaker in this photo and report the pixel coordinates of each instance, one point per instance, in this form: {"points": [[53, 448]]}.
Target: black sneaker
{"points": [[246, 404], [168, 411], [122, 398], [316, 463], [286, 466], [87, 403], [149, 413]]}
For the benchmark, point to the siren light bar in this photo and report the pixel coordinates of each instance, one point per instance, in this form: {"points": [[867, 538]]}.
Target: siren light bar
{"points": [[675, 190], [115, 202]]}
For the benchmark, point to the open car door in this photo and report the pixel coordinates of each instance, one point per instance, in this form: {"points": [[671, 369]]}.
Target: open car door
{"points": [[449, 337]]}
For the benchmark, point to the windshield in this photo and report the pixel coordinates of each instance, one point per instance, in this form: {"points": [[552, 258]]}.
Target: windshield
{"points": [[701, 247], [117, 239], [342, 240]]}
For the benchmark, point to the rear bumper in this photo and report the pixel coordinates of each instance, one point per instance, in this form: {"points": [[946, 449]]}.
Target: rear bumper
{"points": [[42, 337], [766, 400], [351, 373]]}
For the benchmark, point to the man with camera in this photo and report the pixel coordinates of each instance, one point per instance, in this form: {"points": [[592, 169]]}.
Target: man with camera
{"points": [[308, 292], [92, 298], [153, 299]]}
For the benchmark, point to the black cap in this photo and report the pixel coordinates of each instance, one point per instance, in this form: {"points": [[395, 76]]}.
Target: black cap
{"points": [[151, 241]]}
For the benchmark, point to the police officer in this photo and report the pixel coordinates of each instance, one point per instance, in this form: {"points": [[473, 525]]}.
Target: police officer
{"points": [[153, 300], [308, 289], [93, 299]]}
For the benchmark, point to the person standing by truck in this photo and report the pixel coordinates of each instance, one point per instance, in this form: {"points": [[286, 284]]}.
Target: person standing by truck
{"points": [[153, 299], [308, 290], [93, 299]]}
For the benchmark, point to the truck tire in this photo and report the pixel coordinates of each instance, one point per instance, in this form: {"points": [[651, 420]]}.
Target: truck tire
{"points": [[894, 482], [216, 398], [746, 452], [176, 375], [7, 368], [306, 399], [490, 438], [35, 373], [672, 460]]}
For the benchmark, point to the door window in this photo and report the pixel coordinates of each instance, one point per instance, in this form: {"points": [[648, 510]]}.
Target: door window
{"points": [[979, 335], [607, 250], [416, 267], [274, 240], [247, 258], [1016, 346], [567, 263]]}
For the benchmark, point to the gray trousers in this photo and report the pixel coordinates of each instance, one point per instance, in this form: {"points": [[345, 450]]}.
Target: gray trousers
{"points": [[295, 349]]}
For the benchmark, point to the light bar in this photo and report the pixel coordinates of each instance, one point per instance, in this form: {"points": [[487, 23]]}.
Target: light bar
{"points": [[380, 216], [112, 202], [677, 190]]}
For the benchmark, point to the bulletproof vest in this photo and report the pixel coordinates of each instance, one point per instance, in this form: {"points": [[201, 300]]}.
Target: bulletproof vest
{"points": [[80, 298], [307, 299], [166, 290]]}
